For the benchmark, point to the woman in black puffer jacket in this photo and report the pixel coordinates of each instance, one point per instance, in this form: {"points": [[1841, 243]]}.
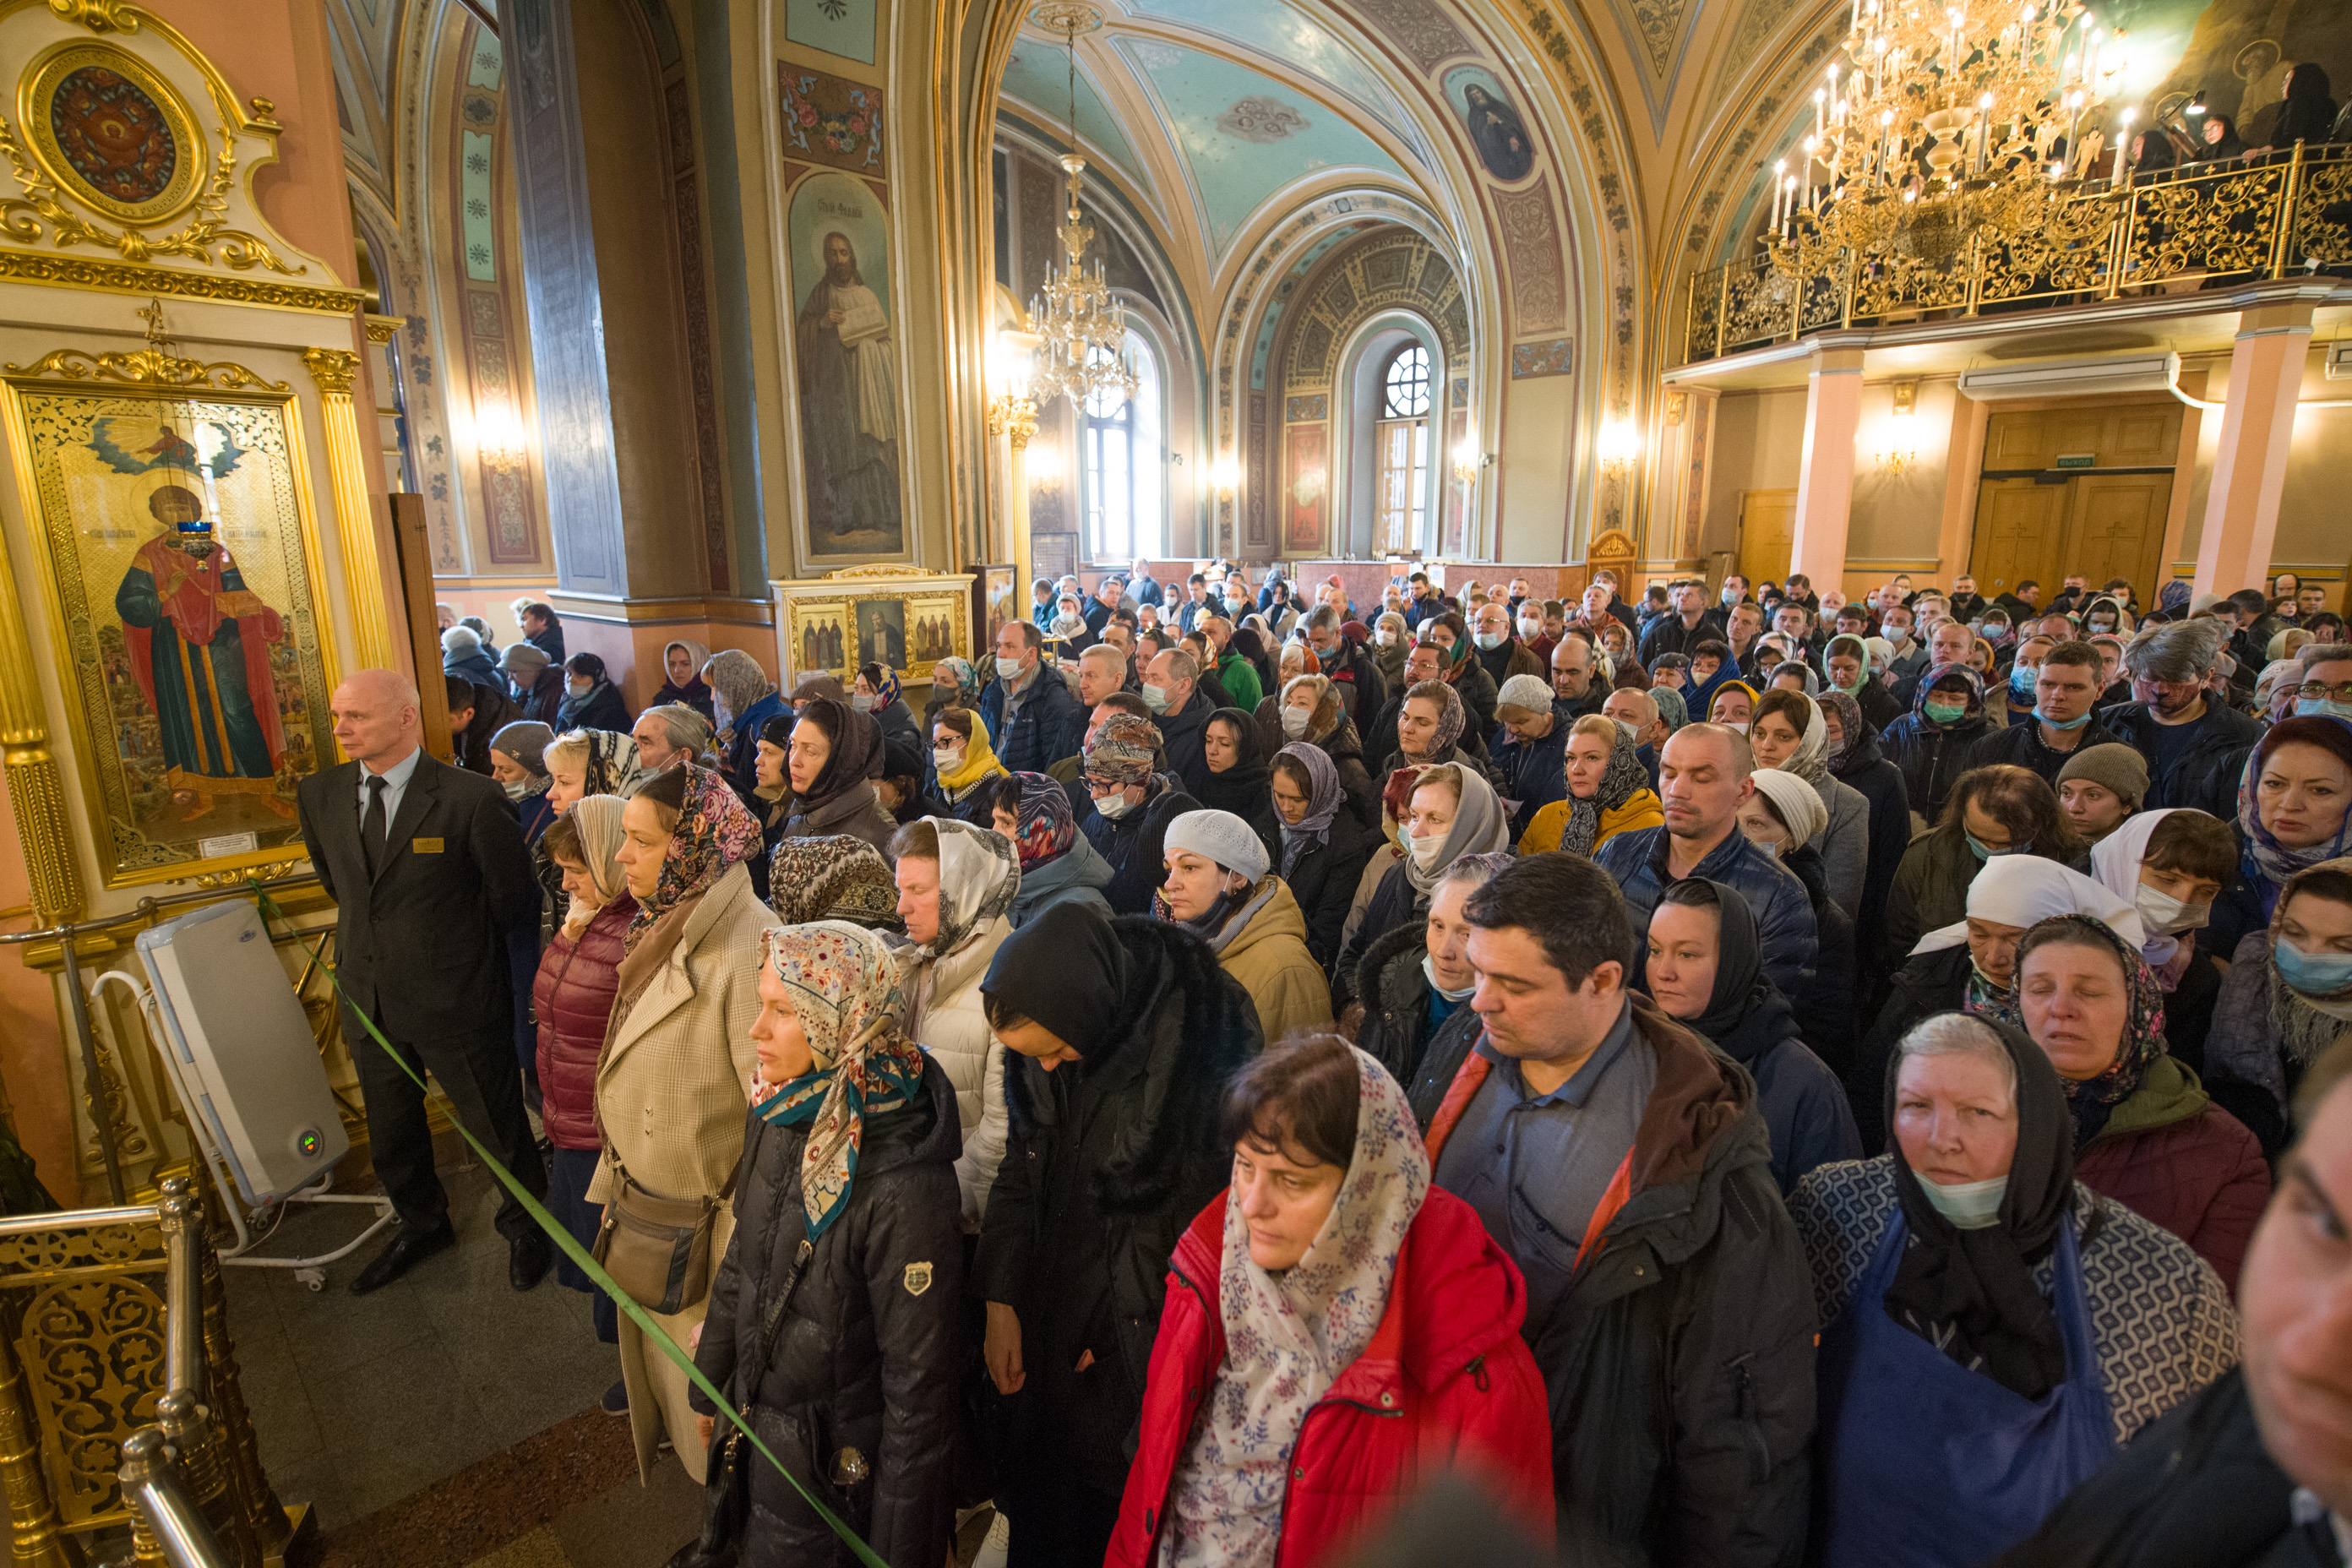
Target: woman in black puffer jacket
{"points": [[857, 1390]]}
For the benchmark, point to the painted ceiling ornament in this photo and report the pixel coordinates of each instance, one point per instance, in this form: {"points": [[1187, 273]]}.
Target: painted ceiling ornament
{"points": [[1262, 119]]}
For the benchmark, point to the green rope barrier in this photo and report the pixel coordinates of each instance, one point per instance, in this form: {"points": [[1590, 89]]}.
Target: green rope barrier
{"points": [[579, 1255]]}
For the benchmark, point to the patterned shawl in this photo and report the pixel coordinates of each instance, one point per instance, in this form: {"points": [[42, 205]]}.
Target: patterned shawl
{"points": [[844, 988], [2271, 862], [1288, 1338], [836, 877], [979, 878], [955, 680], [1937, 674], [714, 831], [1452, 716], [2093, 1100], [1043, 824], [1621, 780], [597, 819]]}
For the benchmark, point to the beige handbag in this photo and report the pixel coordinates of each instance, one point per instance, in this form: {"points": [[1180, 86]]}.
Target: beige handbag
{"points": [[657, 1249]]}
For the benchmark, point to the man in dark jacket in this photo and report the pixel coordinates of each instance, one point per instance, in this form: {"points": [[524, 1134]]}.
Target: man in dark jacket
{"points": [[2196, 747], [1530, 747], [429, 874], [1690, 625], [2064, 689], [1128, 805], [1427, 600], [1171, 690], [1624, 1166], [1032, 721], [1347, 666], [543, 629], [1120, 1036], [2255, 1470], [476, 713], [536, 684], [1705, 775], [1501, 654]]}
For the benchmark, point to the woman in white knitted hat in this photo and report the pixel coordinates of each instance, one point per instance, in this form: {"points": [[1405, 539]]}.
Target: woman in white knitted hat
{"points": [[1221, 885], [1786, 816]]}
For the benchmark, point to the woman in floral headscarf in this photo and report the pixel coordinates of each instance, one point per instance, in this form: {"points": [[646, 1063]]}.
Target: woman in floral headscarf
{"points": [[1330, 1269], [1058, 866], [669, 1087], [848, 1213], [2146, 1133]]}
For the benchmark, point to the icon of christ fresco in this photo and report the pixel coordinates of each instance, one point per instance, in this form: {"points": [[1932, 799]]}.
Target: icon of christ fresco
{"points": [[199, 644]]}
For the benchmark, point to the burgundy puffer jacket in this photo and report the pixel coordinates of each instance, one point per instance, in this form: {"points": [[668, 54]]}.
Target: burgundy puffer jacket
{"points": [[572, 998]]}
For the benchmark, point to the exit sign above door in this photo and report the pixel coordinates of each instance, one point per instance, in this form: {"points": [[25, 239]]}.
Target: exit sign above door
{"points": [[2076, 460]]}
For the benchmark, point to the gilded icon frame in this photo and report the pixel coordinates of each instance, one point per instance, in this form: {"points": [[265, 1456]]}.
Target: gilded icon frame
{"points": [[914, 607], [39, 85], [819, 615], [288, 546]]}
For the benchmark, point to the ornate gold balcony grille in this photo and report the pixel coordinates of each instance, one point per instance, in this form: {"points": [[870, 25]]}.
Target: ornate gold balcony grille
{"points": [[2169, 234]]}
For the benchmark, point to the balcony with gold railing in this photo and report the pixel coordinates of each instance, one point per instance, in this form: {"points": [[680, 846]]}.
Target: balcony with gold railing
{"points": [[2169, 234]]}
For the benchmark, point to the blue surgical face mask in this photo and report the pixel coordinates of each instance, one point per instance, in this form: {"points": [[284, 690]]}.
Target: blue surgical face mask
{"points": [[2062, 723], [2021, 678], [2322, 708], [1970, 1205], [1984, 851], [2312, 973]]}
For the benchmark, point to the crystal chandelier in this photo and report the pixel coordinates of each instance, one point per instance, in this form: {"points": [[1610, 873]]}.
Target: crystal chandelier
{"points": [[1943, 120], [1081, 330]]}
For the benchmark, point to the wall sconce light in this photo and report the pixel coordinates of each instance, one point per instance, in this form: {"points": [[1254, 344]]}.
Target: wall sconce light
{"points": [[1225, 476], [1620, 444], [1045, 466], [1902, 447], [1011, 356], [498, 437]]}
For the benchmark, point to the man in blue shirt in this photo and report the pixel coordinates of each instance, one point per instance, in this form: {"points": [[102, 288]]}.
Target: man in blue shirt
{"points": [[1623, 1165]]}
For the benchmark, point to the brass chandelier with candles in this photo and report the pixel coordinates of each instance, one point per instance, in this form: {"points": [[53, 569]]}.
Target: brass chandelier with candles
{"points": [[1945, 121], [1080, 329]]}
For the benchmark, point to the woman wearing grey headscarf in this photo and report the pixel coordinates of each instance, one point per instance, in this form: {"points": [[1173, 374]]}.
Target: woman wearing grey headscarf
{"points": [[1455, 812]]}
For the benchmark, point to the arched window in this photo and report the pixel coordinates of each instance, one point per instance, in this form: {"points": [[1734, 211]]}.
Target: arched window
{"points": [[1125, 502], [1401, 452]]}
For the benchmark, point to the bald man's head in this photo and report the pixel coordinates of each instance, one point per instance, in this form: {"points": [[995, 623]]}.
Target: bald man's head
{"points": [[377, 718]]}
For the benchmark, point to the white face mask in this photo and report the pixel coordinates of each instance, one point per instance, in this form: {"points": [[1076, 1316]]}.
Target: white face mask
{"points": [[1114, 806], [580, 688], [1425, 851], [1738, 724], [947, 758], [1388, 638], [1295, 721], [1530, 630], [1429, 972], [2161, 911], [516, 789], [1970, 1205], [1007, 669], [863, 701]]}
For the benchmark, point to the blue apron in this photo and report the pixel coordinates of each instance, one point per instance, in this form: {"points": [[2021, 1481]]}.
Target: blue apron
{"points": [[1927, 1463]]}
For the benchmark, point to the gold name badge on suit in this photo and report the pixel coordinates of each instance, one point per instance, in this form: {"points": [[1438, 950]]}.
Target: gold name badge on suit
{"points": [[424, 847]]}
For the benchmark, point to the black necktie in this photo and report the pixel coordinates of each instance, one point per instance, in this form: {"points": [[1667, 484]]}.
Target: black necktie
{"points": [[373, 827]]}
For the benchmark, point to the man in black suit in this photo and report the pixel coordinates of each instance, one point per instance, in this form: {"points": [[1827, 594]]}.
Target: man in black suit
{"points": [[428, 872]]}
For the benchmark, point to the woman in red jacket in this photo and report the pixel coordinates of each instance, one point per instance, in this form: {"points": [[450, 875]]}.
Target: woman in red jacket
{"points": [[1337, 1334], [572, 1000], [2146, 1133]]}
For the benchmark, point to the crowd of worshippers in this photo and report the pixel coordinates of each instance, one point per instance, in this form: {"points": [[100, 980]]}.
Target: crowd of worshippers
{"points": [[1741, 1077]]}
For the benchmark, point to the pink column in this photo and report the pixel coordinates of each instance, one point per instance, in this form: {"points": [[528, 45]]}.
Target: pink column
{"points": [[2241, 506], [1825, 479]]}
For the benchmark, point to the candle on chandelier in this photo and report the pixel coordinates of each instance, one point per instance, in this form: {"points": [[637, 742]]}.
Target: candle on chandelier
{"points": [[2123, 150]]}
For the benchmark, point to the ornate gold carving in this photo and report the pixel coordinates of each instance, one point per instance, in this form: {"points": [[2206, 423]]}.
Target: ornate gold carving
{"points": [[21, 218], [127, 277], [382, 329], [336, 370], [151, 367], [333, 369], [37, 1540], [38, 93], [268, 870], [879, 571], [98, 16]]}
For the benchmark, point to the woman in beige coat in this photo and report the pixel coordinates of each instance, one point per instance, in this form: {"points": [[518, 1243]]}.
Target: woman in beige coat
{"points": [[956, 883], [678, 1059], [1220, 886]]}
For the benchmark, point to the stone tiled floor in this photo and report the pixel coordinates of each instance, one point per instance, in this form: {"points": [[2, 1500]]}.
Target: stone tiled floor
{"points": [[361, 1402]]}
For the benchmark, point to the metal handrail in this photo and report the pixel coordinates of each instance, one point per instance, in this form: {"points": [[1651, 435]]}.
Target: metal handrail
{"points": [[66, 934], [152, 1484]]}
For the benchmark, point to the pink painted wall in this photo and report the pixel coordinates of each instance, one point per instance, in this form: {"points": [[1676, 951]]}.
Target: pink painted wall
{"points": [[32, 1046]]}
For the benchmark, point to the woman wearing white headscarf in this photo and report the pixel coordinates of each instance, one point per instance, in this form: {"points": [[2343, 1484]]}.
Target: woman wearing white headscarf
{"points": [[1971, 964], [1330, 1278], [956, 883], [571, 1000], [2173, 865], [1788, 733], [1454, 812], [1787, 816]]}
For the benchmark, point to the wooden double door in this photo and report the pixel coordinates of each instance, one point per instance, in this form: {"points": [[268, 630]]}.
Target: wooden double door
{"points": [[2036, 521]]}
